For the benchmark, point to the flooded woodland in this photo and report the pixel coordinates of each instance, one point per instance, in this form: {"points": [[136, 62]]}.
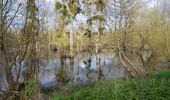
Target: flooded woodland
{"points": [[84, 49]]}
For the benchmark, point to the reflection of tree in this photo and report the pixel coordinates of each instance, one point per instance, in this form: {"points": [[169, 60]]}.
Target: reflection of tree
{"points": [[62, 75], [78, 69], [72, 69]]}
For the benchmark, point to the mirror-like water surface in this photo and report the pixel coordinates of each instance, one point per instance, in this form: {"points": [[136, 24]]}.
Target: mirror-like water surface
{"points": [[80, 69]]}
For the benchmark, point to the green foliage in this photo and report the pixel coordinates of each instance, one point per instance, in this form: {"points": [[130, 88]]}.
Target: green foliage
{"points": [[33, 9], [58, 5], [157, 34], [153, 87], [73, 9], [93, 18], [75, 1], [100, 4], [64, 13], [31, 88], [71, 6]]}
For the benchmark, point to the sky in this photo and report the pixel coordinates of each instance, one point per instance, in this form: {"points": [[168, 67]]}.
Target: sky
{"points": [[49, 7], [51, 1], [81, 18]]}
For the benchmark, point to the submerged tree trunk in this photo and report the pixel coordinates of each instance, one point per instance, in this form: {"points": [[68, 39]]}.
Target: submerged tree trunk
{"points": [[9, 76], [72, 69], [129, 69]]}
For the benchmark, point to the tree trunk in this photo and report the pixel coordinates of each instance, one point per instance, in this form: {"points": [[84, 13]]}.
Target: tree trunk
{"points": [[9, 77], [71, 41]]}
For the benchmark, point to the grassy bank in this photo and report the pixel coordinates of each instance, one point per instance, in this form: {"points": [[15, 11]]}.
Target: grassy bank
{"points": [[152, 87]]}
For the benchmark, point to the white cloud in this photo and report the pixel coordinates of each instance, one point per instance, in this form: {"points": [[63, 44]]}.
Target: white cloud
{"points": [[50, 1]]}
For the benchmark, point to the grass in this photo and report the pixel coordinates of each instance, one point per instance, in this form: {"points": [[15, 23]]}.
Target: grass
{"points": [[152, 87]]}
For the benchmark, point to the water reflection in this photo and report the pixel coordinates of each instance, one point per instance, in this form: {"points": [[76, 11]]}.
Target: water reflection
{"points": [[80, 69], [2, 79]]}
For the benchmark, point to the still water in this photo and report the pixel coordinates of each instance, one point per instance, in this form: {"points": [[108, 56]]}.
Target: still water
{"points": [[80, 69]]}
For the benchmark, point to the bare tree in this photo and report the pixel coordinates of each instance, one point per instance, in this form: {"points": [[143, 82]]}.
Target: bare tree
{"points": [[18, 44], [9, 11]]}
